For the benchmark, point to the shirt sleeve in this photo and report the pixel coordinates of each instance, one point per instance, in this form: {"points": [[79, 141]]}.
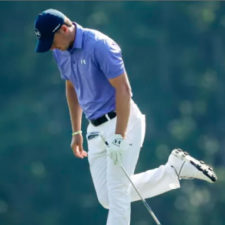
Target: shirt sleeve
{"points": [[62, 74], [109, 58]]}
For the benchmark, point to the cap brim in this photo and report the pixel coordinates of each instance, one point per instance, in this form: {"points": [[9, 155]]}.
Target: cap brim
{"points": [[44, 45]]}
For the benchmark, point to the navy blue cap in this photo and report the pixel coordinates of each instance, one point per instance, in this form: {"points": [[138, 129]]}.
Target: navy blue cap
{"points": [[46, 24]]}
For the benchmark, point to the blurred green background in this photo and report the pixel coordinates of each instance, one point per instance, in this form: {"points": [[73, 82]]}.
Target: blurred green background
{"points": [[174, 53]]}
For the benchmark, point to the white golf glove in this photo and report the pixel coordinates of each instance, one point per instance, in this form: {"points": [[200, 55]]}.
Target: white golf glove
{"points": [[116, 147]]}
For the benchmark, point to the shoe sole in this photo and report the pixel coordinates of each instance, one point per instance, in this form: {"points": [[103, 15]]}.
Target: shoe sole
{"points": [[199, 165]]}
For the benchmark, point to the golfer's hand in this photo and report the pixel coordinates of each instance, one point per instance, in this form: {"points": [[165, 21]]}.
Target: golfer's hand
{"points": [[77, 146], [115, 149]]}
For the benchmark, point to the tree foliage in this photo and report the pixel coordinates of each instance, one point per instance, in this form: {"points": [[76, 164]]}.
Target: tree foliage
{"points": [[174, 54]]}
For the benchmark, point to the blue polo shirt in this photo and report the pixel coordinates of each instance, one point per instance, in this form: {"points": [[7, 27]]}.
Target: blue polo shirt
{"points": [[93, 59]]}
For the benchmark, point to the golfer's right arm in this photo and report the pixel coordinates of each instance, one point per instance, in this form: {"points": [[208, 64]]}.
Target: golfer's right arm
{"points": [[75, 117]]}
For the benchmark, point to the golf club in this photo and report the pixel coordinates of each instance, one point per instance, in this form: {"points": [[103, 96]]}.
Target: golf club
{"points": [[147, 206]]}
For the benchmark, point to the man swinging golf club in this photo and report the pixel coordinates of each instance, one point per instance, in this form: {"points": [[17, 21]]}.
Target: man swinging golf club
{"points": [[97, 85]]}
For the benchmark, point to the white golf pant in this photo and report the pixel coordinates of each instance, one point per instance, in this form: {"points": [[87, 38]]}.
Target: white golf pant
{"points": [[113, 189]]}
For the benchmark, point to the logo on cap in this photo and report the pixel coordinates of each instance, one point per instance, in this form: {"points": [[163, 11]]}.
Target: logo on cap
{"points": [[37, 33], [56, 28]]}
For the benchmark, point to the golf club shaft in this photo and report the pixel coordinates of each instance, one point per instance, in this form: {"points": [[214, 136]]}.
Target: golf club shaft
{"points": [[142, 199]]}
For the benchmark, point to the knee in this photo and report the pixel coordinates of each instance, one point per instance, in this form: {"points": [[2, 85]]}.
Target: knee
{"points": [[103, 200]]}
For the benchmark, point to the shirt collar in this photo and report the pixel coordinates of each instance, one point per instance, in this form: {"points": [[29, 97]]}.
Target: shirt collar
{"points": [[78, 36]]}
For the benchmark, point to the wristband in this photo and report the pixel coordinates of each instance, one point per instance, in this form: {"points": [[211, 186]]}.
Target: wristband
{"points": [[77, 132]]}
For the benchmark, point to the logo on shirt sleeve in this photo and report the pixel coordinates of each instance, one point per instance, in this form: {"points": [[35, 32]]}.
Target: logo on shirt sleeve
{"points": [[83, 61]]}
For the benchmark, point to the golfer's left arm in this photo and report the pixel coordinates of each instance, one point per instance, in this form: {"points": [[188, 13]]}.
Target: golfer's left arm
{"points": [[123, 98]]}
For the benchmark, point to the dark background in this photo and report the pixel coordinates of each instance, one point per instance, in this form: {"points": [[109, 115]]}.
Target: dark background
{"points": [[174, 53]]}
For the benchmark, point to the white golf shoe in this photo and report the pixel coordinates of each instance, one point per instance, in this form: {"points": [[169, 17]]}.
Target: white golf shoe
{"points": [[187, 167]]}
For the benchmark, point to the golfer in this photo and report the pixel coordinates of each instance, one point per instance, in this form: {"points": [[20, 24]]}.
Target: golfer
{"points": [[97, 85]]}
